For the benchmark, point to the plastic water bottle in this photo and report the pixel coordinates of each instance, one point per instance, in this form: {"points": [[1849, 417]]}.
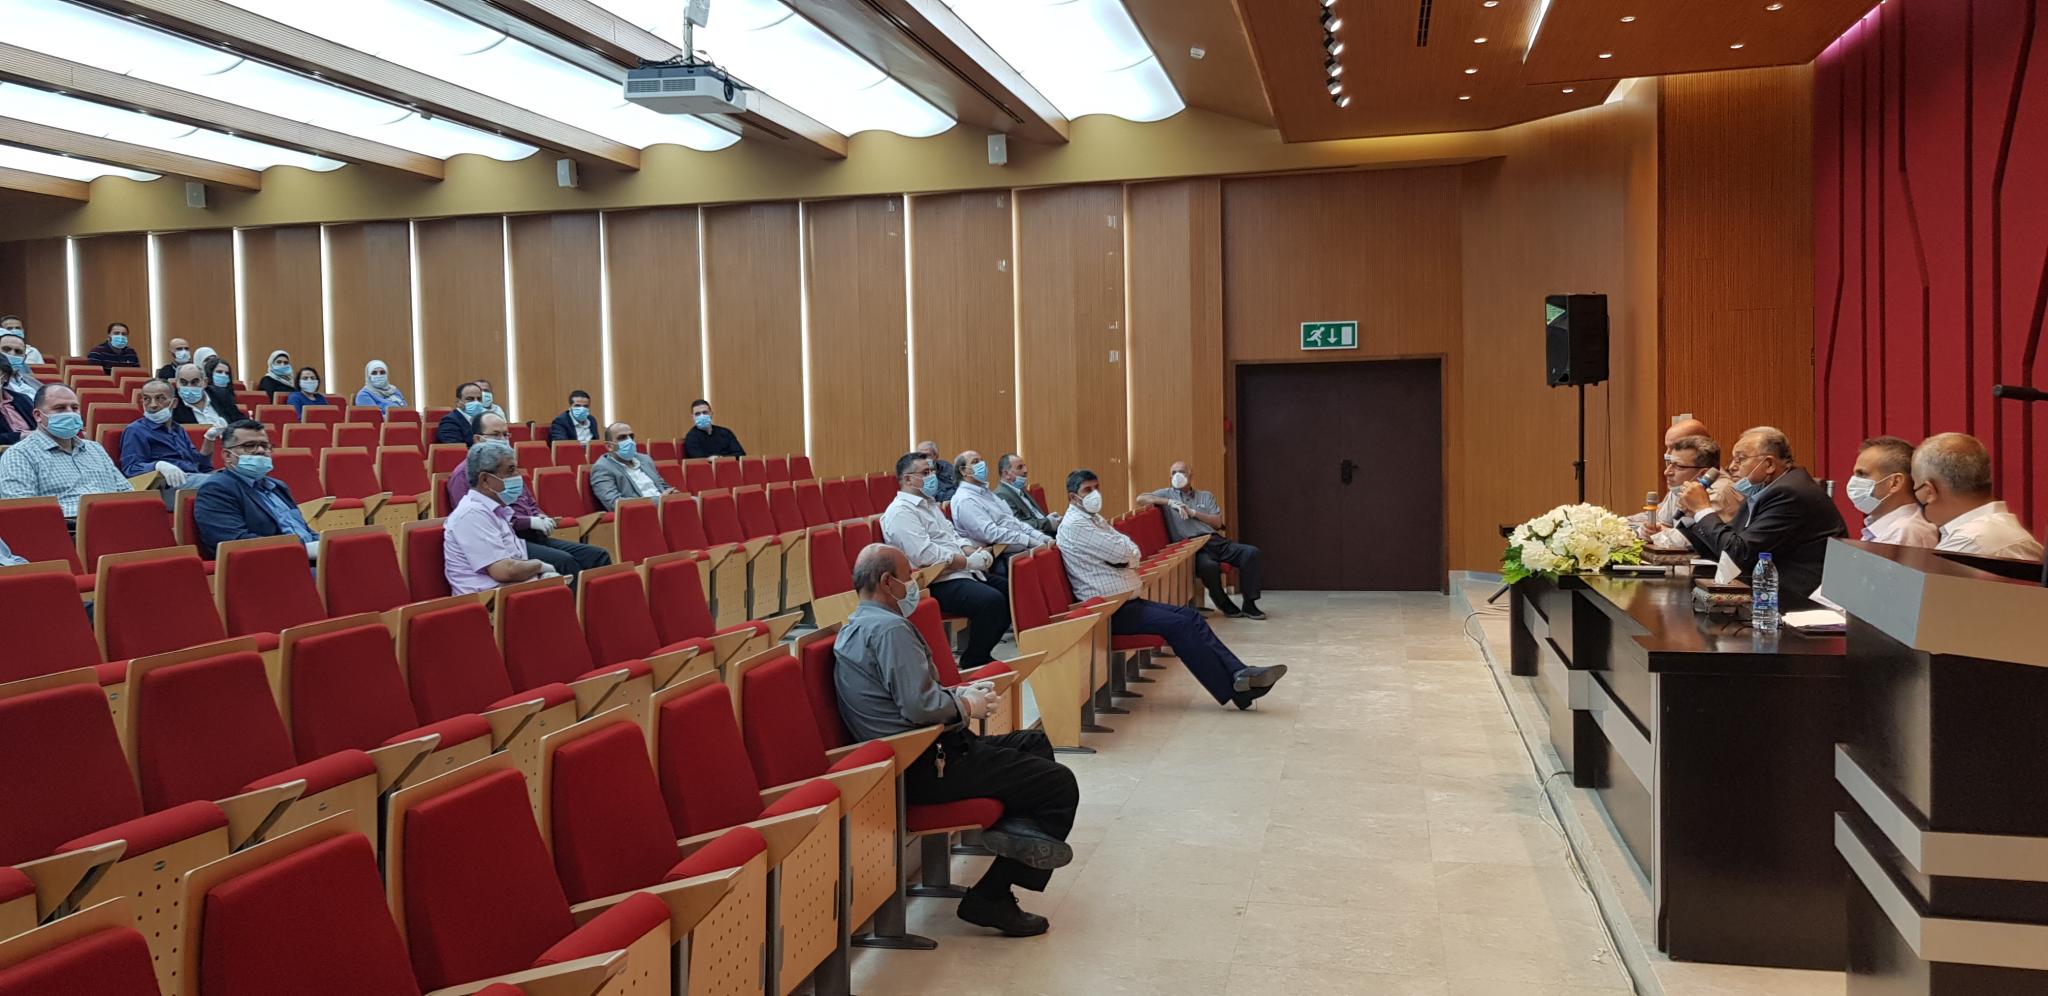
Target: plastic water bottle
{"points": [[1763, 595]]}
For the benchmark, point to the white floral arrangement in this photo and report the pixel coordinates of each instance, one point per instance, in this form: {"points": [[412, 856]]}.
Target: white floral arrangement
{"points": [[1569, 539]]}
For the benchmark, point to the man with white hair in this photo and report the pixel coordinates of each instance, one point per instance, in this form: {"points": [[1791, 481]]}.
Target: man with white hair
{"points": [[1782, 511], [1952, 475], [478, 546], [944, 479]]}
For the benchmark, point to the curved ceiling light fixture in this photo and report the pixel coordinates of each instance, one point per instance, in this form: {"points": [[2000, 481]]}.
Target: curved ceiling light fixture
{"points": [[1086, 56]]}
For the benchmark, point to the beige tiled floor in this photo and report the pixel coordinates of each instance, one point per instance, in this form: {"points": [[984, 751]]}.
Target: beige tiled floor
{"points": [[1374, 827]]}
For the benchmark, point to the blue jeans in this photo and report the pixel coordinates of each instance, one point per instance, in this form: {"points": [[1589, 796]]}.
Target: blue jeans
{"points": [[1192, 640]]}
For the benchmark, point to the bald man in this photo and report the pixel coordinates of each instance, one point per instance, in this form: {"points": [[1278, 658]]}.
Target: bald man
{"points": [[1782, 511], [1952, 481], [888, 685]]}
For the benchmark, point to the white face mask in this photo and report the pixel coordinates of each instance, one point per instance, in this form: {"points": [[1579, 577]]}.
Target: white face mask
{"points": [[1091, 503], [1863, 494], [1180, 481], [908, 603]]}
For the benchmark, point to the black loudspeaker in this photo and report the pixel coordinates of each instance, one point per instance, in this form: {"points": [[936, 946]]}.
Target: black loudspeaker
{"points": [[1575, 339]]}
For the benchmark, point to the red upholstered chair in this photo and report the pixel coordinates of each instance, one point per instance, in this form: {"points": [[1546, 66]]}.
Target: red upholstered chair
{"points": [[299, 470], [446, 458], [273, 416], [682, 523], [699, 475], [671, 472], [542, 642], [800, 467], [926, 618], [426, 566], [1038, 496], [810, 504], [264, 586], [327, 415], [676, 606], [619, 627], [350, 475], [61, 637], [69, 790], [115, 415], [402, 470], [777, 468], [476, 895], [153, 602], [663, 450], [359, 572], [881, 491], [720, 509], [185, 520], [758, 519], [753, 470], [532, 456], [726, 472], [339, 688], [359, 435], [638, 531], [363, 413], [609, 832], [34, 529], [411, 415], [97, 951], [521, 432], [121, 523], [108, 435], [406, 434], [312, 437], [832, 594], [855, 535], [569, 453], [787, 509], [563, 495]]}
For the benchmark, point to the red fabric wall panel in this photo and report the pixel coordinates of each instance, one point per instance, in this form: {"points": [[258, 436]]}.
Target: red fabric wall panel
{"points": [[1931, 233]]}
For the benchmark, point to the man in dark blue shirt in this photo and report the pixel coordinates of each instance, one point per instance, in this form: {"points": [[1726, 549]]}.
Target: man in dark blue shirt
{"points": [[156, 442], [246, 502], [706, 439]]}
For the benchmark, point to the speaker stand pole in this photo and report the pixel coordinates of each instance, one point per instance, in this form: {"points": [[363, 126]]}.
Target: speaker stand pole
{"points": [[1579, 465]]}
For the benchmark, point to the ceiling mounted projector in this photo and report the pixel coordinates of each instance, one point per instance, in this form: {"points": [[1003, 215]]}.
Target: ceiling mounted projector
{"points": [[686, 88]]}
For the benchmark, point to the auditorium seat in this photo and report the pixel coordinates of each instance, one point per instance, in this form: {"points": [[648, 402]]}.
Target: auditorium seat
{"points": [[314, 437], [360, 435], [34, 529], [810, 503], [664, 451], [699, 474], [800, 467], [726, 473], [476, 894], [753, 470], [682, 522], [618, 624], [532, 456], [446, 458], [339, 688], [1075, 644], [121, 522], [410, 415], [832, 594], [569, 453], [671, 472], [761, 555], [108, 435], [845, 498], [328, 415], [203, 725], [881, 491], [264, 586], [609, 833], [758, 518], [273, 416], [426, 566], [855, 535], [637, 530], [788, 511], [348, 474], [562, 495], [153, 602], [363, 413], [543, 645], [775, 469], [116, 414], [406, 434], [60, 638], [185, 518], [522, 432], [299, 470], [403, 472], [358, 571], [680, 614], [97, 951]]}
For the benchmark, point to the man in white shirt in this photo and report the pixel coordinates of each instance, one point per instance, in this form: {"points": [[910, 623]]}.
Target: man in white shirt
{"points": [[913, 524], [1952, 475], [1881, 487], [983, 519], [1102, 562]]}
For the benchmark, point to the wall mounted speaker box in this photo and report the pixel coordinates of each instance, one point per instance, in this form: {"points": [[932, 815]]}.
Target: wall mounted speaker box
{"points": [[1575, 339]]}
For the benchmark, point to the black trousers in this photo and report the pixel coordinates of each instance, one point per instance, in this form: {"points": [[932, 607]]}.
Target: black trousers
{"points": [[1243, 556], [1016, 769], [565, 556], [987, 609]]}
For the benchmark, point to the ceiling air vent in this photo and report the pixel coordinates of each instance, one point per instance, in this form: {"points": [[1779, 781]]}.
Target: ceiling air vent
{"points": [[1422, 25]]}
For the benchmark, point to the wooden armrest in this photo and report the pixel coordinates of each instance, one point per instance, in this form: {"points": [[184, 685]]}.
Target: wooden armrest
{"points": [[61, 880], [668, 666], [592, 692], [779, 626], [375, 502], [753, 547], [911, 743], [315, 508], [1055, 638], [783, 833], [586, 523], [714, 556], [789, 538], [725, 645], [1021, 668], [507, 722], [251, 814], [582, 977], [855, 783], [926, 574], [396, 762], [688, 900], [147, 480], [996, 549]]}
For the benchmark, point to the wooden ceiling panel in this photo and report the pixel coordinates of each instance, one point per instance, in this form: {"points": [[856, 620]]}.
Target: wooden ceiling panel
{"points": [[1226, 78], [1683, 36]]}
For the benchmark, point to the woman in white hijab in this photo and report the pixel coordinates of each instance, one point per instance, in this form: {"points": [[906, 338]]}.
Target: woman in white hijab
{"points": [[378, 389]]}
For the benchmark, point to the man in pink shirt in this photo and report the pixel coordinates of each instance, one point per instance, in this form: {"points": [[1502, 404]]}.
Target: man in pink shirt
{"points": [[478, 544]]}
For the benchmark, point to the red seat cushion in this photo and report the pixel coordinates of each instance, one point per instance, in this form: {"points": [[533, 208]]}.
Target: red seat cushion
{"points": [[731, 849], [613, 930], [111, 962], [265, 642], [338, 768], [812, 793], [981, 813], [14, 885], [342, 503], [147, 833], [85, 582], [318, 913], [112, 673], [553, 694], [864, 755], [454, 730], [1136, 641]]}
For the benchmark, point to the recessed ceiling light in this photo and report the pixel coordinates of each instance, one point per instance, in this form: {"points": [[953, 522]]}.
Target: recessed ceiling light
{"points": [[1481, 40], [1331, 21], [1332, 67], [1464, 96], [1329, 3], [1736, 45], [1775, 6], [1628, 19], [1470, 70], [1568, 89], [1344, 101], [1334, 85], [1607, 55], [1333, 45], [1492, 3]]}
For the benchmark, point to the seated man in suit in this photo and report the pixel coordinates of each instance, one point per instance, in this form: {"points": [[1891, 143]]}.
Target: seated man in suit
{"points": [[478, 546], [246, 502], [181, 354], [199, 403], [1881, 487], [459, 426], [566, 557], [982, 519], [913, 524], [1953, 472], [574, 423], [1778, 509], [1102, 562], [1191, 513], [624, 472], [1015, 491]]}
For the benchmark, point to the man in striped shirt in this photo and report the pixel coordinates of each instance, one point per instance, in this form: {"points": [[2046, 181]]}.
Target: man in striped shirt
{"points": [[1103, 562]]}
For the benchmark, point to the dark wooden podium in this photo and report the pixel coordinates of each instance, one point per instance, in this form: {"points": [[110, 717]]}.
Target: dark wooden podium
{"points": [[1945, 767]]}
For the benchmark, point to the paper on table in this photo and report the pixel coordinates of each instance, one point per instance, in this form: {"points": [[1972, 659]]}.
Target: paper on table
{"points": [[1726, 571], [1817, 621]]}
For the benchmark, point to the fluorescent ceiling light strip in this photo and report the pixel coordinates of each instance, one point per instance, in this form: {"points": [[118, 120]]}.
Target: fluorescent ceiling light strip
{"points": [[31, 161], [86, 117], [1086, 56], [1542, 10]]}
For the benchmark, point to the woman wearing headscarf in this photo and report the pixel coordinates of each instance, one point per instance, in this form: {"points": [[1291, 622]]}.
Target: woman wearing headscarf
{"points": [[308, 392], [378, 389], [277, 381], [17, 389]]}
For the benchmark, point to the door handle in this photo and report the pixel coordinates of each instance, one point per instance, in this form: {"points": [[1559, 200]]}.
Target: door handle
{"points": [[1344, 471]]}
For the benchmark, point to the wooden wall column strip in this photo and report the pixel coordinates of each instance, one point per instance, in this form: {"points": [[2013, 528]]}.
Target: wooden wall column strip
{"points": [[369, 299], [461, 306], [113, 286], [961, 293], [556, 317], [857, 334], [1175, 266], [1070, 315], [754, 326], [657, 366], [281, 300], [35, 284]]}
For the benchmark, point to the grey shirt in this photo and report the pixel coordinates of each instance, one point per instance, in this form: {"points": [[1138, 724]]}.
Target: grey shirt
{"points": [[1184, 528], [886, 680]]}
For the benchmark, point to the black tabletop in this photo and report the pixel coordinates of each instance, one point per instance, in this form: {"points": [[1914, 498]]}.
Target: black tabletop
{"points": [[1681, 640]]}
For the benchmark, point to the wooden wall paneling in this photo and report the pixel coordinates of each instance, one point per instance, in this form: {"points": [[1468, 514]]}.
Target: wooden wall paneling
{"points": [[1070, 335], [754, 324], [461, 305], [859, 382], [113, 286], [281, 302], [656, 305], [557, 318], [369, 300], [1175, 345], [963, 338], [36, 285]]}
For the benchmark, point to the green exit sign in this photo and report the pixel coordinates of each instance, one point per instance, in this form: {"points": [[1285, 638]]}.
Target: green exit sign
{"points": [[1329, 335]]}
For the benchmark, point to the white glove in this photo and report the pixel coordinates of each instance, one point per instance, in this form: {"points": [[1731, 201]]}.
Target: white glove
{"points": [[973, 699], [980, 560], [312, 550], [992, 700], [543, 523], [173, 474], [549, 572], [214, 431]]}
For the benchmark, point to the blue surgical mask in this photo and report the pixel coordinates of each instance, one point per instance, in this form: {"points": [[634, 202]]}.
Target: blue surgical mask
{"points": [[221, 378], [309, 386], [159, 417], [980, 471], [908, 603], [487, 399], [515, 489], [17, 362], [380, 380], [1747, 487], [191, 395], [580, 413], [472, 408], [703, 423], [118, 341], [281, 372], [66, 425], [626, 448], [931, 485], [254, 466], [182, 355], [1023, 482]]}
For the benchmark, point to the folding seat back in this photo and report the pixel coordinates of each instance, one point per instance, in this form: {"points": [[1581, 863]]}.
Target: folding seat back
{"points": [[114, 414], [607, 824], [855, 535], [753, 470], [541, 638], [411, 415], [681, 523], [426, 567], [65, 775], [185, 519], [776, 720], [675, 599], [1027, 593], [370, 414], [663, 450], [533, 456], [671, 471], [273, 416], [775, 469], [451, 659], [721, 517], [34, 529], [782, 504], [298, 470], [327, 415], [699, 475], [96, 951], [312, 437], [153, 602], [1038, 498], [706, 779], [55, 634], [433, 415], [555, 489], [810, 504], [640, 533], [121, 523], [349, 473], [401, 470], [800, 467], [1052, 579], [617, 623], [816, 660], [102, 394], [265, 586], [359, 571], [830, 574], [361, 435], [930, 624], [399, 434], [569, 453], [521, 432], [727, 473], [108, 436], [881, 491], [446, 458], [756, 517], [340, 687]]}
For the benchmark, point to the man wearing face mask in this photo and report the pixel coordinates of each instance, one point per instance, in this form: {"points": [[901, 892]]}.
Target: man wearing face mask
{"points": [[575, 423], [181, 354], [981, 518], [55, 462], [1686, 459], [1191, 513], [623, 473], [491, 400], [913, 524], [1953, 475], [199, 404], [459, 426], [245, 502], [1783, 512], [1103, 563], [114, 351], [1015, 491], [12, 323], [154, 442], [478, 545], [17, 390], [565, 557], [887, 685], [706, 439], [944, 479], [1881, 487]]}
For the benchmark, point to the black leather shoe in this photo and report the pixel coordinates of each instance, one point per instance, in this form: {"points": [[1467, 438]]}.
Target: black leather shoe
{"points": [[1027, 843], [1258, 677], [1251, 611], [1001, 913], [1243, 700]]}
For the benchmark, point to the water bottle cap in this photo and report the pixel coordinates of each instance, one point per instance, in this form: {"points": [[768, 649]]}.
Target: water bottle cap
{"points": [[1763, 557]]}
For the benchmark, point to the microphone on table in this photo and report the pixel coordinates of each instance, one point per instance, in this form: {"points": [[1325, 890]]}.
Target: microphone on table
{"points": [[2016, 392]]}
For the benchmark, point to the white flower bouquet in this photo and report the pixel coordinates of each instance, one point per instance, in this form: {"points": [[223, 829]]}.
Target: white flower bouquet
{"points": [[1569, 539]]}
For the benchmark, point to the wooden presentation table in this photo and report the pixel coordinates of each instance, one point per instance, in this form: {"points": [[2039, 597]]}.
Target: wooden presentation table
{"points": [[1711, 749]]}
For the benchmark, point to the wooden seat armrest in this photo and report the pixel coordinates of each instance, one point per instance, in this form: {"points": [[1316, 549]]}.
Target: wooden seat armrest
{"points": [[779, 626], [752, 548], [582, 977], [911, 743], [147, 480], [670, 666], [788, 538], [586, 523], [783, 833], [251, 814], [507, 722], [854, 784], [315, 508], [397, 762], [61, 880], [594, 691], [725, 645], [375, 502], [715, 555], [1056, 638], [688, 900], [926, 574]]}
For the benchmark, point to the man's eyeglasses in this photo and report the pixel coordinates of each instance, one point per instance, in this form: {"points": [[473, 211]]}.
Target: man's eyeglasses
{"points": [[251, 448], [1668, 462]]}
